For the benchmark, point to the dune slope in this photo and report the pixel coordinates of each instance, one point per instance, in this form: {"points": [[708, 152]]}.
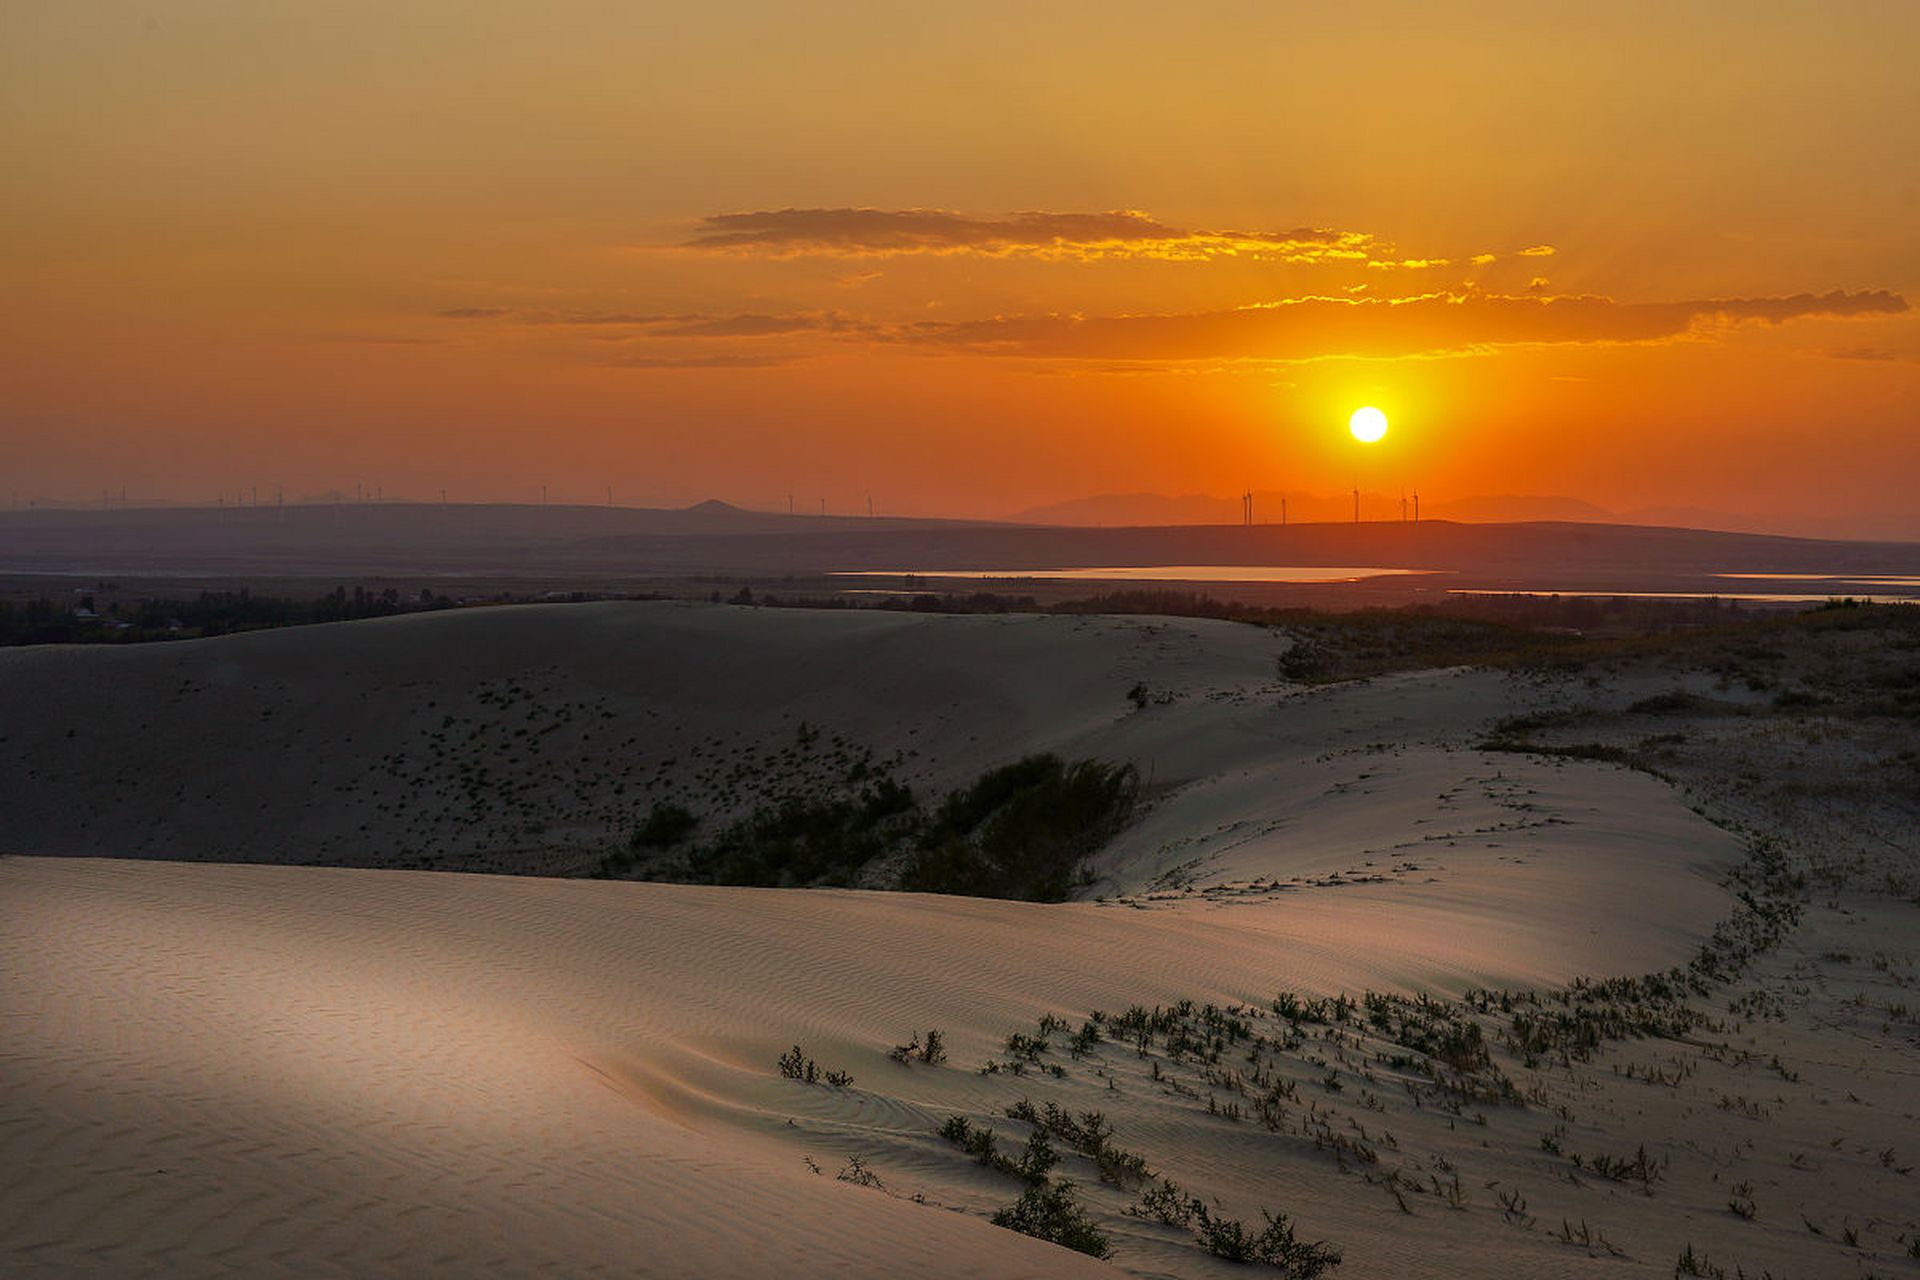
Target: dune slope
{"points": [[260, 1069]]}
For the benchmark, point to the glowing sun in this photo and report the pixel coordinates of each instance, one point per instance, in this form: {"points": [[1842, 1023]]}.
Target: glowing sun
{"points": [[1368, 425]]}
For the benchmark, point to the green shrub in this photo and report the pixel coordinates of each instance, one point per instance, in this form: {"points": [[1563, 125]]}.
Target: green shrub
{"points": [[1275, 1247], [1022, 830], [1166, 1204], [1051, 1211]]}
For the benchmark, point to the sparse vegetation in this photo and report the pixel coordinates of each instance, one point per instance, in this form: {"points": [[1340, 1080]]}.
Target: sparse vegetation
{"points": [[858, 1174], [1047, 1209], [1274, 1246], [1022, 830], [1090, 1134], [931, 1052], [1163, 1201], [1051, 1211], [95, 618], [796, 1065]]}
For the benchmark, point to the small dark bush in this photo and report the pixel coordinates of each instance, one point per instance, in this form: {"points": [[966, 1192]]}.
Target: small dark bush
{"points": [[1166, 1204], [796, 1065], [933, 1052], [1275, 1247], [1051, 1211], [667, 824]]}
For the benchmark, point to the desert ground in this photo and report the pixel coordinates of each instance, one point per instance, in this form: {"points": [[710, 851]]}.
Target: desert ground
{"points": [[322, 957]]}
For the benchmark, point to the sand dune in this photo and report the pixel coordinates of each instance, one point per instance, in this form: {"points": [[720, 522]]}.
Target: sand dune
{"points": [[318, 1071], [259, 1069], [370, 1077], [364, 744]]}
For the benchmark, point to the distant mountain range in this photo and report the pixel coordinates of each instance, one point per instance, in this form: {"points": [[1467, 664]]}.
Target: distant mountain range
{"points": [[1129, 509]]}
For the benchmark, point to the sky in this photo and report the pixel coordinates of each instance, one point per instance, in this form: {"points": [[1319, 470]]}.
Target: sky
{"points": [[963, 259]]}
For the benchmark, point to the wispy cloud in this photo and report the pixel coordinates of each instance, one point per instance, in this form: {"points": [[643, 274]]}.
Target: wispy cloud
{"points": [[717, 360], [1318, 327], [1878, 355], [524, 315], [1120, 233], [684, 325], [756, 326], [1356, 324]]}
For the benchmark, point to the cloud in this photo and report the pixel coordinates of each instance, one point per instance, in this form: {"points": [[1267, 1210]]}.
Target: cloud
{"points": [[718, 360], [1318, 327], [378, 340], [1120, 233], [1355, 324], [1538, 251], [1878, 355], [756, 326], [521, 315], [685, 325], [1835, 303]]}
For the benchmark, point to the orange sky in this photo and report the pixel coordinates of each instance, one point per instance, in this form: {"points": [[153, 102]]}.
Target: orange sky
{"points": [[1659, 254]]}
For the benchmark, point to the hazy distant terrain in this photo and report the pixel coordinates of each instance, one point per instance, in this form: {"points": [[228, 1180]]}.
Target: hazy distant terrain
{"points": [[1160, 508], [1307, 508], [562, 545]]}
